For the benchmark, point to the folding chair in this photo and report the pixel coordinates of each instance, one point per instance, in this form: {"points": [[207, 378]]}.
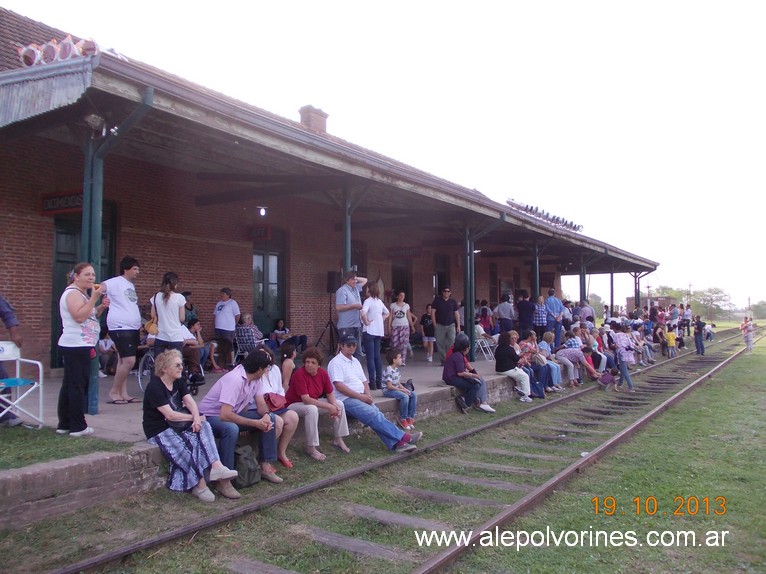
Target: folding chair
{"points": [[243, 344], [12, 403], [486, 347]]}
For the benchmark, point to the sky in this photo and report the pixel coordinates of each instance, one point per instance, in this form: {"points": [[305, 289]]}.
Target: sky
{"points": [[644, 122]]}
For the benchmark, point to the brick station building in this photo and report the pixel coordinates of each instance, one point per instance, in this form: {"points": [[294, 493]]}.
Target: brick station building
{"points": [[178, 176]]}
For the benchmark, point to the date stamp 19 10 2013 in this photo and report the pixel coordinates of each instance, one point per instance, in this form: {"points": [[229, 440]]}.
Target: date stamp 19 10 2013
{"points": [[681, 506]]}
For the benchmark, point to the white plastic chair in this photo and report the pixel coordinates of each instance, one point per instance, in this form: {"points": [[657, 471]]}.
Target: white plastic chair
{"points": [[12, 403]]}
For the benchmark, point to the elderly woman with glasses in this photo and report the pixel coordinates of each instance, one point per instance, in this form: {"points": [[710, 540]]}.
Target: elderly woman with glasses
{"points": [[191, 451]]}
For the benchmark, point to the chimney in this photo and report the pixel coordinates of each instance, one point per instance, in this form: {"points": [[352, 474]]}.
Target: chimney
{"points": [[314, 119]]}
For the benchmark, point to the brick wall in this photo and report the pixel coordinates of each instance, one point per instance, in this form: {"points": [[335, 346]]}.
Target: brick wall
{"points": [[209, 247], [60, 487]]}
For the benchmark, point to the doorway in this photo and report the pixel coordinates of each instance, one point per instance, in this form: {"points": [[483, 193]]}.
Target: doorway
{"points": [[401, 279], [269, 299]]}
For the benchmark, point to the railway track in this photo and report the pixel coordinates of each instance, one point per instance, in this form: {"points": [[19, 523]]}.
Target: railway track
{"points": [[473, 481]]}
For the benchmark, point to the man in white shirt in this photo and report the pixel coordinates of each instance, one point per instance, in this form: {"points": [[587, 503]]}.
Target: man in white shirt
{"points": [[226, 318], [352, 388], [124, 322]]}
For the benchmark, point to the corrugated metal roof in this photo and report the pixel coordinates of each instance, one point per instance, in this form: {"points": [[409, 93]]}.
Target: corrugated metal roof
{"points": [[33, 91]]}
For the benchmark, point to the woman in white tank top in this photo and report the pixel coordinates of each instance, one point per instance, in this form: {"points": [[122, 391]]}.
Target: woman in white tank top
{"points": [[77, 343]]}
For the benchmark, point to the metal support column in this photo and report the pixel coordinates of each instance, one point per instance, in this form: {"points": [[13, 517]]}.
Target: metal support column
{"points": [[346, 229], [535, 272]]}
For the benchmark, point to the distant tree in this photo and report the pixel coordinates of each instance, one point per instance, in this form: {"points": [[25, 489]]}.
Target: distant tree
{"points": [[712, 303], [758, 310], [597, 303]]}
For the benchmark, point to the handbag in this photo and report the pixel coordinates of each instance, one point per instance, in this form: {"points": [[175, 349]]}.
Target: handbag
{"points": [[275, 401], [151, 325], [540, 359], [181, 426], [409, 385]]}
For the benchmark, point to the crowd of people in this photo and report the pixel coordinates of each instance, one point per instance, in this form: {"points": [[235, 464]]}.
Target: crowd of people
{"points": [[556, 345]]}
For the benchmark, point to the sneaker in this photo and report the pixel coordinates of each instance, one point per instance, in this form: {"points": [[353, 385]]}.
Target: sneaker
{"points": [[197, 379], [204, 494], [461, 404], [429, 359], [14, 422], [62, 431], [518, 391], [84, 432], [102, 375], [642, 363], [410, 424], [525, 400], [484, 407], [406, 447], [402, 424], [415, 437], [222, 473]]}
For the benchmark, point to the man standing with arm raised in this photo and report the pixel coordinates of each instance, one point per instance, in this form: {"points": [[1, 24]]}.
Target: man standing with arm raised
{"points": [[348, 304]]}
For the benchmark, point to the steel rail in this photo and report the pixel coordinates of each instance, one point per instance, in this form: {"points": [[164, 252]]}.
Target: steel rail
{"points": [[443, 559], [239, 512]]}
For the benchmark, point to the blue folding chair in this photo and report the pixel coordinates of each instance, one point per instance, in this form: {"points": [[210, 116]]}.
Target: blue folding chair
{"points": [[21, 389]]}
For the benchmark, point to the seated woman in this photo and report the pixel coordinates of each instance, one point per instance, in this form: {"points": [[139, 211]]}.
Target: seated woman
{"points": [[546, 349], [281, 335], [189, 452], [287, 364], [247, 334], [529, 353], [459, 373], [536, 387], [507, 363], [310, 395], [271, 383]]}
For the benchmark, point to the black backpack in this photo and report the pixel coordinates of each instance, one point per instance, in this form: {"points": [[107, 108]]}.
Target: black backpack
{"points": [[247, 467]]}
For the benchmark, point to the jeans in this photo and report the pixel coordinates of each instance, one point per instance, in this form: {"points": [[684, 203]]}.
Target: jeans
{"points": [[407, 404], [555, 326], [374, 364], [699, 343], [204, 355], [505, 324], [371, 416], [474, 390], [227, 434], [625, 375]]}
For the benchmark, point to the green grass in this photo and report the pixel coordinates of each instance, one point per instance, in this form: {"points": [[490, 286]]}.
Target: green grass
{"points": [[23, 446], [710, 445]]}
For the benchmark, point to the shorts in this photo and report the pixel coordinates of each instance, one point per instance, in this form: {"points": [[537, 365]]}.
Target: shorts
{"points": [[223, 335], [125, 341]]}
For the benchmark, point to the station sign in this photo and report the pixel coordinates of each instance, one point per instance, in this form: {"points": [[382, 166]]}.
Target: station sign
{"points": [[55, 203]]}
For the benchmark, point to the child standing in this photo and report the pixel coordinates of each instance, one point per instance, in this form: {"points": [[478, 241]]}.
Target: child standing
{"points": [[393, 388], [670, 337], [107, 355], [429, 334]]}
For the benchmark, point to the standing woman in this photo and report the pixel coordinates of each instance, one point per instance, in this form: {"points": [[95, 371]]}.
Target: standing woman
{"points": [[400, 325], [77, 346], [625, 355], [540, 318], [748, 330], [373, 313], [168, 309]]}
